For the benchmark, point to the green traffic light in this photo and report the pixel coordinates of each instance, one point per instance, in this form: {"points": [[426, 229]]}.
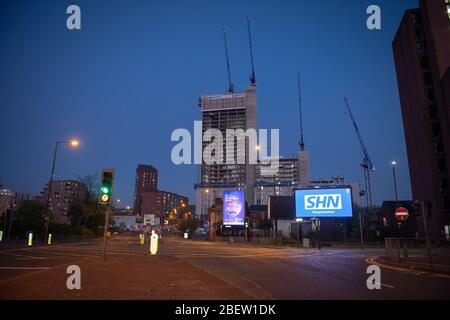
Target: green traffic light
{"points": [[105, 190]]}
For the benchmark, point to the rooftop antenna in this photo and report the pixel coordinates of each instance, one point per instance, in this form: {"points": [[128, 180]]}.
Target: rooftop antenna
{"points": [[252, 77], [230, 84], [302, 144]]}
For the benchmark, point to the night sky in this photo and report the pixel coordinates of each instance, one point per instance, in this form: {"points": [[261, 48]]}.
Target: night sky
{"points": [[135, 70]]}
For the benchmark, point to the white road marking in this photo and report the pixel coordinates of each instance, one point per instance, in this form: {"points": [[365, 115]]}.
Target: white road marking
{"points": [[24, 268]]}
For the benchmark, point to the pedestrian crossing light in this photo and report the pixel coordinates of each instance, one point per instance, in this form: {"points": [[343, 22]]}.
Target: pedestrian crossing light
{"points": [[107, 179], [246, 223]]}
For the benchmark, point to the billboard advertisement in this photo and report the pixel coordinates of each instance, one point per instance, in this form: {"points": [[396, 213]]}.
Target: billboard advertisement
{"points": [[323, 202], [233, 207]]}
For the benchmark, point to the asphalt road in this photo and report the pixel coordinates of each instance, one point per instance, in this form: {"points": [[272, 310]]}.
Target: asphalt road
{"points": [[259, 272]]}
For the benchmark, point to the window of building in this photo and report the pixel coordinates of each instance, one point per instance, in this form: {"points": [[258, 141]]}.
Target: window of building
{"points": [[443, 184], [421, 48], [437, 147], [424, 64], [435, 130], [429, 95], [433, 112], [427, 80]]}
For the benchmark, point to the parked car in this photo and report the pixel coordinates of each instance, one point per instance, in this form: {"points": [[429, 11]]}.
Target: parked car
{"points": [[200, 232]]}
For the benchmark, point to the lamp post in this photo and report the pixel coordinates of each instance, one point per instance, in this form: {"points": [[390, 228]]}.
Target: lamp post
{"points": [[74, 144], [394, 163]]}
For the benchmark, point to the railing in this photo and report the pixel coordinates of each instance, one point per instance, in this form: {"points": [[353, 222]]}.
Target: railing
{"points": [[418, 249]]}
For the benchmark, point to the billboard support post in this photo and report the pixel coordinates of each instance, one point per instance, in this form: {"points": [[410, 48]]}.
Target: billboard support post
{"points": [[361, 231]]}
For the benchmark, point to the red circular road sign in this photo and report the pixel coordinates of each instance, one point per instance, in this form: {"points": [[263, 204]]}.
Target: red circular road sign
{"points": [[401, 214]]}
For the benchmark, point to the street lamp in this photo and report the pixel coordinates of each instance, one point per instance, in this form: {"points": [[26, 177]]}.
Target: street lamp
{"points": [[394, 163], [73, 143]]}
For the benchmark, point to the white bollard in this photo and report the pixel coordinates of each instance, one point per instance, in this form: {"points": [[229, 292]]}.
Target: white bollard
{"points": [[30, 238], [49, 241], [1, 235], [153, 243]]}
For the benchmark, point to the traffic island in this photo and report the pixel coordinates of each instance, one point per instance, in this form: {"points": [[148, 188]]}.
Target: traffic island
{"points": [[123, 277], [411, 265]]}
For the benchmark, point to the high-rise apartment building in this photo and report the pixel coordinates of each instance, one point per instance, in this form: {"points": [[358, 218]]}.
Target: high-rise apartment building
{"points": [[222, 112], [422, 59], [146, 180], [64, 192]]}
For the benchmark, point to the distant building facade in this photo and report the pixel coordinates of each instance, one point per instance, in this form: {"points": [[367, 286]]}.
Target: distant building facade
{"points": [[12, 200], [146, 181], [160, 203], [422, 58], [339, 181], [63, 193]]}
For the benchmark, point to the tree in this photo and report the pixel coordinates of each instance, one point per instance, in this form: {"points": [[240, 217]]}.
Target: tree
{"points": [[91, 186], [29, 217]]}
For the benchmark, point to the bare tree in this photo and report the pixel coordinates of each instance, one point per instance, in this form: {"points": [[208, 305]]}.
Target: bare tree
{"points": [[90, 180]]}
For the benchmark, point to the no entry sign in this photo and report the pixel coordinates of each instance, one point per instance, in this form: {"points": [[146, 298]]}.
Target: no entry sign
{"points": [[401, 214]]}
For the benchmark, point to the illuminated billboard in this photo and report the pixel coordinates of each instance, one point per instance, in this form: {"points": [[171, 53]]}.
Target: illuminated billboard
{"points": [[233, 207], [323, 202]]}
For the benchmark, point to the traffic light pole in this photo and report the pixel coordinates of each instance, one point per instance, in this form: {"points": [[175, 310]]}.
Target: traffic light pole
{"points": [[105, 230]]}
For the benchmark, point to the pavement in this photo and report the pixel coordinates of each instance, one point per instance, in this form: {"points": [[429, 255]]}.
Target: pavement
{"points": [[187, 269]]}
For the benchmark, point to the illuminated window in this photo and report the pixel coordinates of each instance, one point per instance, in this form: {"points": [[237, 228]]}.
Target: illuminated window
{"points": [[448, 7]]}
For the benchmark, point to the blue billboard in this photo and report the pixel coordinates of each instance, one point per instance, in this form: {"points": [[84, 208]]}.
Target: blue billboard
{"points": [[323, 202], [233, 207]]}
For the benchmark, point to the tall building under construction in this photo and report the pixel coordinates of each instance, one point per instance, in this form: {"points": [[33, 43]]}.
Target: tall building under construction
{"points": [[226, 111]]}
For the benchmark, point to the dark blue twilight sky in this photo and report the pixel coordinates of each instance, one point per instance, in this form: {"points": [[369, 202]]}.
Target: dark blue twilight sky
{"points": [[136, 69]]}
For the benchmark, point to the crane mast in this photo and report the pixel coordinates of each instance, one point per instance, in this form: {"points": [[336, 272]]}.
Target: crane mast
{"points": [[252, 77], [302, 143], [230, 84], [367, 163]]}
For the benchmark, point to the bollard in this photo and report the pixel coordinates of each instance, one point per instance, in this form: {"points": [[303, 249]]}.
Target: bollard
{"points": [[153, 243], [30, 238], [49, 241], [141, 238], [1, 235]]}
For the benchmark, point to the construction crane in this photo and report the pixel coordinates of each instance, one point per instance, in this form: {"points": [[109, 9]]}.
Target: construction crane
{"points": [[367, 163], [252, 77], [230, 84], [302, 143]]}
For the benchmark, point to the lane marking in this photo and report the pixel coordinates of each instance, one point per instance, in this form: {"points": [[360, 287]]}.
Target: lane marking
{"points": [[24, 268]]}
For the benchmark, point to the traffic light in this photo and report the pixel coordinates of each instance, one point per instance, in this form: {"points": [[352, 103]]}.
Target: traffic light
{"points": [[246, 222], [416, 208], [106, 185]]}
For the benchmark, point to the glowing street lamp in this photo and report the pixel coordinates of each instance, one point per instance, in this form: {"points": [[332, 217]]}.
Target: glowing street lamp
{"points": [[73, 143], [394, 163]]}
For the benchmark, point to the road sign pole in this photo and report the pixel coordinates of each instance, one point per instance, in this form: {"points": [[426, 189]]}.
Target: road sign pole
{"points": [[424, 210]]}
